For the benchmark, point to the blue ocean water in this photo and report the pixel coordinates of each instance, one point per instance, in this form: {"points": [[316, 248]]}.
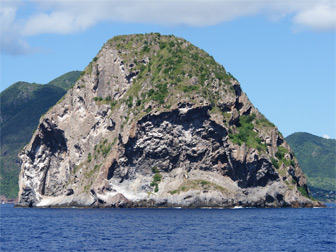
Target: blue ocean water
{"points": [[73, 229]]}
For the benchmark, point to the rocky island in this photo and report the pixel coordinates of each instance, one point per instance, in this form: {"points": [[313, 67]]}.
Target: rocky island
{"points": [[154, 121]]}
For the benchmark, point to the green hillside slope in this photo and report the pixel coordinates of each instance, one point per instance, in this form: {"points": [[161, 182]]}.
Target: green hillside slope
{"points": [[316, 156], [66, 81], [22, 105]]}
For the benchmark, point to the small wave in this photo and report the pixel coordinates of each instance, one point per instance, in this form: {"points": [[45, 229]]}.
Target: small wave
{"points": [[237, 207]]}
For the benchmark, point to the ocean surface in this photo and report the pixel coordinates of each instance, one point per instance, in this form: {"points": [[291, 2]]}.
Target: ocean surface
{"points": [[73, 229]]}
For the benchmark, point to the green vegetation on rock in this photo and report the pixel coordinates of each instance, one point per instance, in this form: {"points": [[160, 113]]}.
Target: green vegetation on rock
{"points": [[174, 65], [103, 148], [156, 179], [246, 134], [303, 191], [280, 155], [275, 163]]}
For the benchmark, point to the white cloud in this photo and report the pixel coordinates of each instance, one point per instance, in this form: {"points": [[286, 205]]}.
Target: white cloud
{"points": [[11, 40], [326, 136], [70, 16], [66, 17], [321, 17], [73, 16]]}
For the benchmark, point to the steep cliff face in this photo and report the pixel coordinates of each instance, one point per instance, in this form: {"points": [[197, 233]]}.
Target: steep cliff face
{"points": [[156, 122]]}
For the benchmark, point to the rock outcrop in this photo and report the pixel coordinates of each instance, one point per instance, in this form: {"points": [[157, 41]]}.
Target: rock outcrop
{"points": [[156, 122]]}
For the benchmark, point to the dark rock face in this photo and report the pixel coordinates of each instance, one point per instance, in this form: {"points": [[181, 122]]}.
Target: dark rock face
{"points": [[127, 135], [191, 140], [51, 137], [257, 173], [174, 139]]}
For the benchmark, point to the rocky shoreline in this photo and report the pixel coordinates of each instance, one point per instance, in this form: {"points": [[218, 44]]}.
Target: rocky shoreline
{"points": [[316, 204], [4, 200]]}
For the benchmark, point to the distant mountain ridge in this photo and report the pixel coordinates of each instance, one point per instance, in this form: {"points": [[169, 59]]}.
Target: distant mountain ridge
{"points": [[317, 159], [22, 105], [66, 81]]}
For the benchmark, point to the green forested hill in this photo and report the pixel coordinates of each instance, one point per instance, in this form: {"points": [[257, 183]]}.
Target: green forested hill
{"points": [[22, 105], [66, 81], [317, 157]]}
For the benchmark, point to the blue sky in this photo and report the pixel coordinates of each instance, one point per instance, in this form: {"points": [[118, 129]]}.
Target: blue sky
{"points": [[282, 52]]}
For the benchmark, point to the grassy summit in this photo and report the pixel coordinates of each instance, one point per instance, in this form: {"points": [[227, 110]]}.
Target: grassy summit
{"points": [[167, 62]]}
